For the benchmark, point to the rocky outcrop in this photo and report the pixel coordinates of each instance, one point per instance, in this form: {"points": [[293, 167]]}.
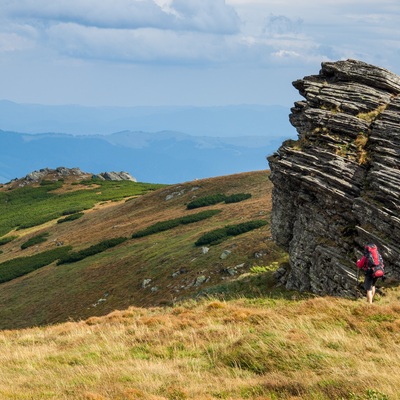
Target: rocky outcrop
{"points": [[51, 175], [116, 176], [338, 186], [63, 172]]}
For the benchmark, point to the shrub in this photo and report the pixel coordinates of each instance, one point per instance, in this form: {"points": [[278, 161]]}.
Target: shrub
{"points": [[71, 217], [206, 201], [90, 251], [173, 223], [20, 266], [217, 198], [72, 211], [35, 240], [218, 235], [7, 239], [236, 198]]}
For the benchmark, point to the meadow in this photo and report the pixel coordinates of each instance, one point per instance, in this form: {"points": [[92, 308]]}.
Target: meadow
{"points": [[263, 348]]}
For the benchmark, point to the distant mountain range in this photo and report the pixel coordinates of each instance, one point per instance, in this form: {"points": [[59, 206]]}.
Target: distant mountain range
{"points": [[224, 121], [162, 157], [150, 144]]}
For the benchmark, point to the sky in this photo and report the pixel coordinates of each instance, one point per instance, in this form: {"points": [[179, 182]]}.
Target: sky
{"points": [[184, 52]]}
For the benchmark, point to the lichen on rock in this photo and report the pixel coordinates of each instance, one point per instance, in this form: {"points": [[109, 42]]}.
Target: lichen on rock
{"points": [[338, 186]]}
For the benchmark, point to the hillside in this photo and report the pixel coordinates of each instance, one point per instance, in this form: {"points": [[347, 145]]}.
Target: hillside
{"points": [[158, 318], [159, 269]]}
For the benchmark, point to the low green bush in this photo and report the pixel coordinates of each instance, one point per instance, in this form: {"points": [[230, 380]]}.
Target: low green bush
{"points": [[20, 266], [35, 240], [217, 198], [90, 251], [7, 239], [206, 201], [219, 235], [72, 211], [173, 223], [236, 198], [71, 217]]}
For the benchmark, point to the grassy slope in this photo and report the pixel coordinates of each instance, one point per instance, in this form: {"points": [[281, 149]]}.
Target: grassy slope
{"points": [[263, 343], [322, 348], [59, 293]]}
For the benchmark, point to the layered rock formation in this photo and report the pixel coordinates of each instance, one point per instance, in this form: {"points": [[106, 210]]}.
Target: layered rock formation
{"points": [[338, 186]]}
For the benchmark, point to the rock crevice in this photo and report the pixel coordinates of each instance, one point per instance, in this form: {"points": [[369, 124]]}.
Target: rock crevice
{"points": [[338, 186]]}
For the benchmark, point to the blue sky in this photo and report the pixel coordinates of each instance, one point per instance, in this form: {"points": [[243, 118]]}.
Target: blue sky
{"points": [[184, 52]]}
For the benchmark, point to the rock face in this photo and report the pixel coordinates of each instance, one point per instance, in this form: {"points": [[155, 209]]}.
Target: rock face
{"points": [[338, 186]]}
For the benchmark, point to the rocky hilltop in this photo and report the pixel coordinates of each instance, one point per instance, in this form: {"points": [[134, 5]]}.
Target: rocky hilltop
{"points": [[67, 173], [338, 186]]}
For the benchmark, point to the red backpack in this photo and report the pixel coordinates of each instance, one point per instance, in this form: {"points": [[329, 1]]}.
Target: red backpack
{"points": [[374, 261]]}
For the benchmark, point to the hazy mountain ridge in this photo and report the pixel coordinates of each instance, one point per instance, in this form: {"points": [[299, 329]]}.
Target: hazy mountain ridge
{"points": [[160, 157], [222, 121]]}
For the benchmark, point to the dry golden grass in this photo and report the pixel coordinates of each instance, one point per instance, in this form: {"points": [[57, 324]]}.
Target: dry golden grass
{"points": [[320, 348]]}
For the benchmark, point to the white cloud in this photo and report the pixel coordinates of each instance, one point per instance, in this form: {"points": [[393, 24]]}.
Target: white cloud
{"points": [[195, 35], [144, 45], [206, 15]]}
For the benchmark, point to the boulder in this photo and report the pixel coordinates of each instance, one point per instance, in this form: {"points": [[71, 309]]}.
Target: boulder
{"points": [[338, 186]]}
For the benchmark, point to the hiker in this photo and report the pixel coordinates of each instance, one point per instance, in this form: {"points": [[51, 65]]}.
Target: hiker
{"points": [[372, 265]]}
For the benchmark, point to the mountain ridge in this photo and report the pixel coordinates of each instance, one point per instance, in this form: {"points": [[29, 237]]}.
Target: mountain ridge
{"points": [[234, 120], [162, 157]]}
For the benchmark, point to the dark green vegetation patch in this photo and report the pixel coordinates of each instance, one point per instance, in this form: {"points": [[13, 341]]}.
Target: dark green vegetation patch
{"points": [[71, 217], [35, 240], [7, 239], [217, 198], [173, 223], [20, 266], [90, 251], [219, 235]]}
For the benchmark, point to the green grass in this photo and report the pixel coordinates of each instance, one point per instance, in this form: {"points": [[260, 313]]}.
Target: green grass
{"points": [[31, 206]]}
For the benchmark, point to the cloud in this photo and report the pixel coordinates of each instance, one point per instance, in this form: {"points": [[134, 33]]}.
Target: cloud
{"points": [[206, 15], [121, 14], [203, 32], [146, 45]]}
